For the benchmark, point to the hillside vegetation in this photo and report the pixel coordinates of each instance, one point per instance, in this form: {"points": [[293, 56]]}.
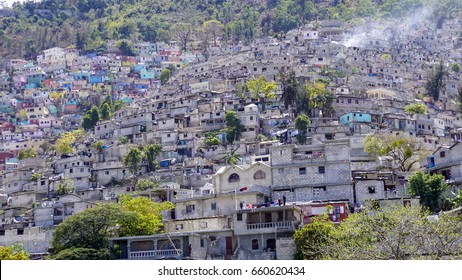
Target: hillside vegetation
{"points": [[87, 24]]}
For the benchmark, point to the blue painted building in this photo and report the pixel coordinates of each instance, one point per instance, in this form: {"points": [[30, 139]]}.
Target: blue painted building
{"points": [[78, 76], [36, 78], [355, 117], [95, 79], [126, 100], [67, 86], [140, 86], [30, 86], [137, 68], [6, 109], [149, 74]]}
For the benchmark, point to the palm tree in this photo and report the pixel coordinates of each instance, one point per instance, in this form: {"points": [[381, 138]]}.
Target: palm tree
{"points": [[232, 157]]}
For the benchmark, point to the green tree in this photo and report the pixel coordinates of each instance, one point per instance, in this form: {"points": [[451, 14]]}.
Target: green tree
{"points": [[365, 8], [389, 233], [302, 101], [286, 16], [416, 108], [455, 67], [123, 140], [65, 186], [302, 123], [95, 41], [35, 177], [13, 252], [125, 47], [204, 43], [127, 29], [249, 24], [405, 152], [459, 98], [312, 98], [94, 115], [212, 140], [31, 50], [149, 214], [164, 76], [375, 145], [183, 32], [435, 83], [105, 111], [148, 31], [117, 105], [233, 126], [150, 153], [320, 98], [240, 90], [98, 145], [262, 138], [86, 122], [232, 157], [429, 187], [444, 238], [290, 86], [80, 42], [145, 184], [64, 143], [133, 160], [27, 153], [108, 100], [91, 118], [457, 200], [92, 227], [314, 238], [243, 21], [392, 232], [260, 89], [214, 28], [82, 254]]}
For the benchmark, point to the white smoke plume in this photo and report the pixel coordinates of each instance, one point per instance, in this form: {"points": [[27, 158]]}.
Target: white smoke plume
{"points": [[390, 29]]}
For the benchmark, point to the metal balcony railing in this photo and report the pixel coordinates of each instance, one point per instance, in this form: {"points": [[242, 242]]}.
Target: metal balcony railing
{"points": [[284, 225], [156, 253]]}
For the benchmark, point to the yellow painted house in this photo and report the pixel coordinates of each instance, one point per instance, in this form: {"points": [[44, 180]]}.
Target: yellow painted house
{"points": [[101, 87], [34, 112], [55, 94], [128, 63]]}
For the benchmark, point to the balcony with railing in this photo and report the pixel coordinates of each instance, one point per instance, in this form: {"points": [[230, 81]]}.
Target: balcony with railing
{"points": [[156, 254], [270, 219], [269, 227]]}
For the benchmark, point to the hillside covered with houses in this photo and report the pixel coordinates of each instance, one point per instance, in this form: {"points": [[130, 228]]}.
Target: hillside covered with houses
{"points": [[230, 150]]}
